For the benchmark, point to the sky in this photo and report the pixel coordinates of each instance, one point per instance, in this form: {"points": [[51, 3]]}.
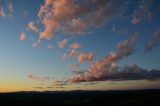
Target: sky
{"points": [[52, 45]]}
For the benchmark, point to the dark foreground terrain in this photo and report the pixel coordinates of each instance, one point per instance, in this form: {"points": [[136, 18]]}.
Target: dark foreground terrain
{"points": [[77, 98]]}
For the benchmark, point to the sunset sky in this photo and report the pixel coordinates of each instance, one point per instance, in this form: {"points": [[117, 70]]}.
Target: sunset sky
{"points": [[79, 45]]}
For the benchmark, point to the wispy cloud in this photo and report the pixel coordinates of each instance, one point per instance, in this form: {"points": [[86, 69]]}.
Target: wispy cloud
{"points": [[59, 83], [63, 57], [154, 41], [2, 13], [73, 53], [10, 8], [6, 8], [142, 12], [34, 77]]}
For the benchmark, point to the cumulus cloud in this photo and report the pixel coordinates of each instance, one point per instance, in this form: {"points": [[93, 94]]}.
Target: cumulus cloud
{"points": [[32, 26], [62, 43], [75, 46], [85, 57], [154, 41], [107, 65], [34, 77], [22, 36], [76, 17], [128, 72]]}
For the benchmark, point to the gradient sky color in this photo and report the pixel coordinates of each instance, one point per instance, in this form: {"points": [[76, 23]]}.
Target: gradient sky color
{"points": [[32, 59]]}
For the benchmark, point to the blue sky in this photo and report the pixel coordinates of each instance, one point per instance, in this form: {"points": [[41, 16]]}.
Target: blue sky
{"points": [[97, 28]]}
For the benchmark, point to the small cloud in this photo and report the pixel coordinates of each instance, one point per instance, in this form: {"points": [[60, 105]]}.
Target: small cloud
{"points": [[49, 46], [62, 43], [135, 20], [34, 77], [2, 13], [63, 57], [75, 46], [85, 57], [154, 41], [142, 12], [72, 53], [22, 36], [36, 44], [10, 8], [32, 26]]}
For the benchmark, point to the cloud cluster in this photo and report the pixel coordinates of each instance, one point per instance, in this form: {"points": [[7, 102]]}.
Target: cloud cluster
{"points": [[107, 65], [142, 12], [73, 51], [34, 77], [76, 16], [154, 41], [128, 72]]}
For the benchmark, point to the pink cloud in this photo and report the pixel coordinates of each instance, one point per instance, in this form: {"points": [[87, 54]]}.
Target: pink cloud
{"points": [[75, 46], [34, 77], [106, 66], [22, 36], [49, 46], [62, 43], [135, 20], [32, 26], [72, 53], [2, 13], [85, 57], [75, 18]]}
